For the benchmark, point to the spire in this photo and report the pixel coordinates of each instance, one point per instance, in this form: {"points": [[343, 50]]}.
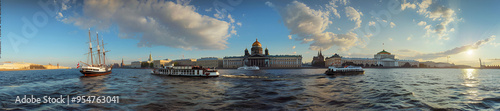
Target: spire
{"points": [[320, 52], [150, 57]]}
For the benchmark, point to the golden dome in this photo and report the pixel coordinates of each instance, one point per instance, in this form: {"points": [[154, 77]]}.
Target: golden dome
{"points": [[256, 43]]}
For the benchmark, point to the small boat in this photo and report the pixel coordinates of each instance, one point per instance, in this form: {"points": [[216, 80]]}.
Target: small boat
{"points": [[190, 71], [253, 68], [100, 67], [347, 70]]}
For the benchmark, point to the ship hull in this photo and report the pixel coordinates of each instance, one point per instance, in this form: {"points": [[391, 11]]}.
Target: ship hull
{"points": [[91, 73], [188, 75], [344, 72]]}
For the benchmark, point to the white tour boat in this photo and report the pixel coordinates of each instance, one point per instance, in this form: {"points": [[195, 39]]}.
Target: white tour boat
{"points": [[194, 71], [347, 70], [249, 68]]}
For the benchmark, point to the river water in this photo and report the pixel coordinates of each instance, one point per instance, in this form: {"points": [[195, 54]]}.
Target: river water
{"points": [[273, 89]]}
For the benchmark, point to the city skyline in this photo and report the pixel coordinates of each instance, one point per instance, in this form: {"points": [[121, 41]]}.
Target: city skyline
{"points": [[421, 30]]}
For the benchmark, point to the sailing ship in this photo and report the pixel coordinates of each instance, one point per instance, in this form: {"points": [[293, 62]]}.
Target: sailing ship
{"points": [[100, 67]]}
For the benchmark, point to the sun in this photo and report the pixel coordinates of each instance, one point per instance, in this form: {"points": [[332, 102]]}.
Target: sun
{"points": [[469, 52]]}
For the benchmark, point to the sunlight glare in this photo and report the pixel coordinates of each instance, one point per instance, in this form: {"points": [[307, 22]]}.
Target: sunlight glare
{"points": [[469, 52]]}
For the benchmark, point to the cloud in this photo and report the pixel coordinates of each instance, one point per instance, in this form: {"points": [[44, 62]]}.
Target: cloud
{"points": [[65, 5], [371, 23], [354, 15], [409, 37], [436, 13], [333, 7], [445, 15], [289, 36], [369, 35], [310, 25], [269, 4], [293, 47], [208, 10], [231, 20], [390, 39], [392, 24], [422, 23], [423, 6], [59, 16], [238, 23], [157, 23], [407, 5], [456, 50]]}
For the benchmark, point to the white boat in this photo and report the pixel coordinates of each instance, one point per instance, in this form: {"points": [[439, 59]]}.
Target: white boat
{"points": [[193, 71], [100, 67], [347, 70], [249, 68]]}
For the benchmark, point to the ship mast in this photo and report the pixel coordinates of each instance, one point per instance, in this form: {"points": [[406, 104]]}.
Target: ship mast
{"points": [[103, 52], [98, 49], [90, 47]]}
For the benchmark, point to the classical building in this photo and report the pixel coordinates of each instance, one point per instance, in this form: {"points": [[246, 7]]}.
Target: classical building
{"points": [[318, 61], [381, 59], [142, 64], [161, 63], [210, 62], [185, 62], [260, 58], [135, 64]]}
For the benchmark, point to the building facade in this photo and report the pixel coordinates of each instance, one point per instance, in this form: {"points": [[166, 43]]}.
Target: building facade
{"points": [[261, 58], [147, 64], [381, 59], [211, 62], [185, 62], [161, 63], [135, 64]]}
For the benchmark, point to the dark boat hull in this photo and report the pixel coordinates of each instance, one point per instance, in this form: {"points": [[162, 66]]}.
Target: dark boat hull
{"points": [[344, 72], [186, 75], [90, 73]]}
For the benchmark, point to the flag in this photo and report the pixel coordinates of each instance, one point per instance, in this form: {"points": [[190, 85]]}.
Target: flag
{"points": [[78, 65]]}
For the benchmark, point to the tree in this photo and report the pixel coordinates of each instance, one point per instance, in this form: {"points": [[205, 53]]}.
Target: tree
{"points": [[422, 65], [407, 65], [144, 65]]}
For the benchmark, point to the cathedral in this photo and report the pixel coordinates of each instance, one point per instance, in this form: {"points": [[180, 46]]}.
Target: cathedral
{"points": [[258, 57], [318, 61]]}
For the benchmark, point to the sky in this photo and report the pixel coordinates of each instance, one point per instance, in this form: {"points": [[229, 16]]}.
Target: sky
{"points": [[47, 31]]}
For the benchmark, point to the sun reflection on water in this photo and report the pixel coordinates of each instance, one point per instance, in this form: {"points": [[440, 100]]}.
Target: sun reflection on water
{"points": [[471, 81], [470, 78]]}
